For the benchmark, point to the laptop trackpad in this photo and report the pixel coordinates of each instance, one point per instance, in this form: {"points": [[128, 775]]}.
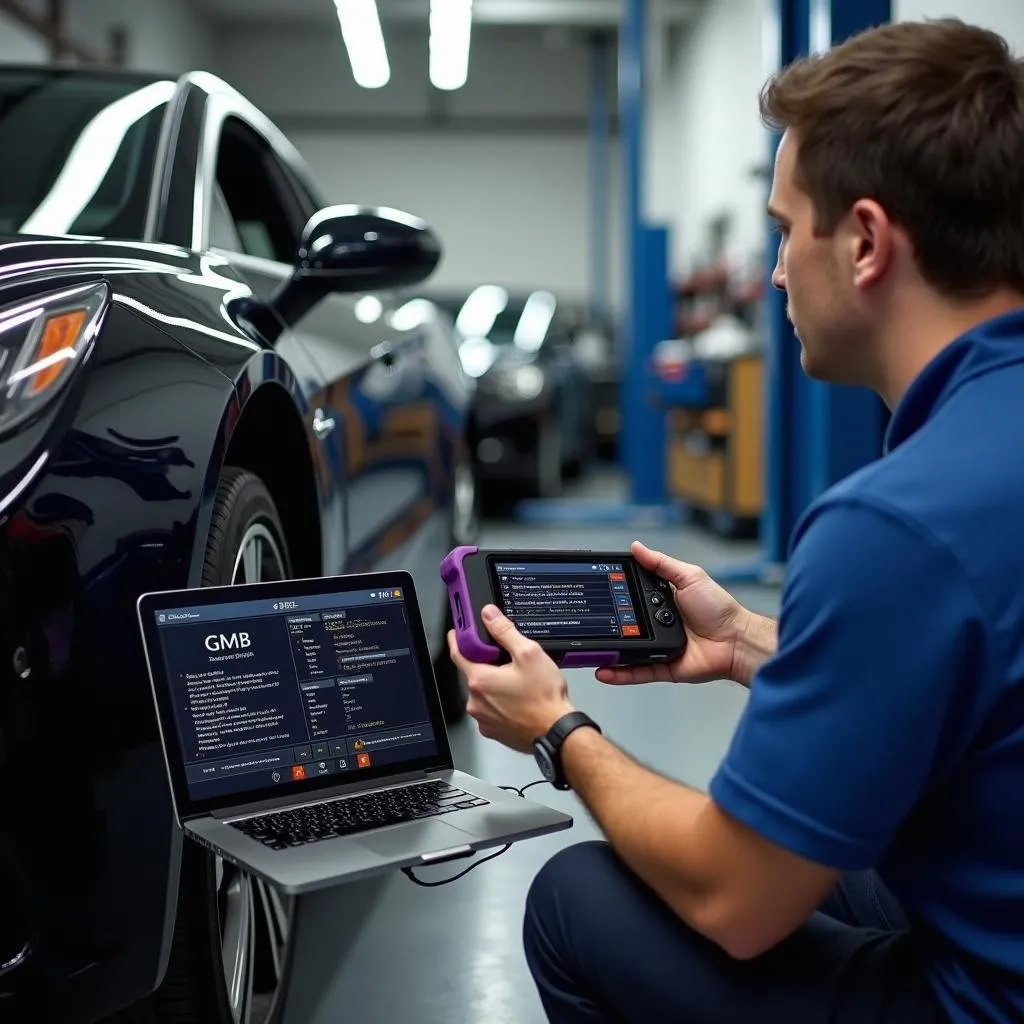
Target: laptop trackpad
{"points": [[416, 837]]}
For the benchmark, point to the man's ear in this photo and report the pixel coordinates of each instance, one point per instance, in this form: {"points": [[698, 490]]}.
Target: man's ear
{"points": [[870, 241]]}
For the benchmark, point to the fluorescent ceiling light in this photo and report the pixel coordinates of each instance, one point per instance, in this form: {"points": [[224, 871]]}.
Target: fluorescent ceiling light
{"points": [[534, 321], [450, 30], [364, 40], [480, 310]]}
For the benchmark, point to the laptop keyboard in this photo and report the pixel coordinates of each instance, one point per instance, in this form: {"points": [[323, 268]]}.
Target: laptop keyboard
{"points": [[281, 830]]}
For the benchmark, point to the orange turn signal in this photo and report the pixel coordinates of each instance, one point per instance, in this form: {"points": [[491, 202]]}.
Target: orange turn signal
{"points": [[55, 346]]}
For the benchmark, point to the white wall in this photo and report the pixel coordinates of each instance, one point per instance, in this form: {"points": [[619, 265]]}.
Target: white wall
{"points": [[712, 138], [19, 44], [511, 209], [163, 35], [1003, 16], [499, 167]]}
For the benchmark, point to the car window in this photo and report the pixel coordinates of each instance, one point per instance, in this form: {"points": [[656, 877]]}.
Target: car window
{"points": [[263, 215], [223, 233], [85, 150]]}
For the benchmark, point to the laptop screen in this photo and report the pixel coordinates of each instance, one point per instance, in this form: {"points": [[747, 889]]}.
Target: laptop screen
{"points": [[276, 692]]}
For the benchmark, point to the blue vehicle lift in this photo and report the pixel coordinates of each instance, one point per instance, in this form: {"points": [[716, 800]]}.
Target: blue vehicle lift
{"points": [[648, 307], [814, 434]]}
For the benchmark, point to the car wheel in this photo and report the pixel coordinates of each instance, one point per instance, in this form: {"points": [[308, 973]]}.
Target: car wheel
{"points": [[466, 523], [230, 957]]}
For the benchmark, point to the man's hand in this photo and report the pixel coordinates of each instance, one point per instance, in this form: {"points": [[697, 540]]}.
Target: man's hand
{"points": [[517, 702], [724, 639]]}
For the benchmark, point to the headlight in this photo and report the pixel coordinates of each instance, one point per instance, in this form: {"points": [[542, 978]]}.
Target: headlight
{"points": [[41, 343], [522, 383]]}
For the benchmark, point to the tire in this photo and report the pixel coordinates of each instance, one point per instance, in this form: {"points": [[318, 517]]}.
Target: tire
{"points": [[222, 910]]}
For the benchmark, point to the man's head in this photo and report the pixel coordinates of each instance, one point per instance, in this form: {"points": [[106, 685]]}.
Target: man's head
{"points": [[899, 192]]}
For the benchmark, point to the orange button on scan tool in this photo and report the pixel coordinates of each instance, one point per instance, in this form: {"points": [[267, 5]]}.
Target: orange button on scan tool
{"points": [[363, 760], [618, 577], [630, 630], [298, 771]]}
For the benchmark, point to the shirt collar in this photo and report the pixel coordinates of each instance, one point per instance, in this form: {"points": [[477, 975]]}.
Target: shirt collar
{"points": [[993, 344]]}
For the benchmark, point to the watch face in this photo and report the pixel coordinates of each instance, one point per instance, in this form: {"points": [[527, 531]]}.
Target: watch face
{"points": [[544, 762]]}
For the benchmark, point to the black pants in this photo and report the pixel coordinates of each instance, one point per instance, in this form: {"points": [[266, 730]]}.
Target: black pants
{"points": [[602, 947]]}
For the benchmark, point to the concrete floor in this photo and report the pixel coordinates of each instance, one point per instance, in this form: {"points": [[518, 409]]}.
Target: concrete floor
{"points": [[387, 951]]}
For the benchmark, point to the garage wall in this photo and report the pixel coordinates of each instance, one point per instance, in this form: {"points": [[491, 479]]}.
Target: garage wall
{"points": [[19, 44], [163, 35], [714, 76], [499, 167], [1003, 16], [709, 106]]}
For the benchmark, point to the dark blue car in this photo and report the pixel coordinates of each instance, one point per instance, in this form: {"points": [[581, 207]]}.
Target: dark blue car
{"points": [[198, 385]]}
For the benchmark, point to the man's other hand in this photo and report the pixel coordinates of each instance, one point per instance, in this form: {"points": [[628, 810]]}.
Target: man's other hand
{"points": [[516, 702], [716, 624]]}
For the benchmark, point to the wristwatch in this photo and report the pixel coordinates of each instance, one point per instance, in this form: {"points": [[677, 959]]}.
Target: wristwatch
{"points": [[547, 749]]}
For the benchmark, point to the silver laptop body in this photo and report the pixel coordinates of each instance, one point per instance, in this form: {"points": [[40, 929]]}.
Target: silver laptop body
{"points": [[300, 719]]}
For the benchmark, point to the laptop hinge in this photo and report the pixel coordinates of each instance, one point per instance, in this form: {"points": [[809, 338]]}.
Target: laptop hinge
{"points": [[301, 799]]}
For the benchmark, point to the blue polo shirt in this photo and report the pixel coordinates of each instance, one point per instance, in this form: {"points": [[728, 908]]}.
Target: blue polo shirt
{"points": [[888, 730]]}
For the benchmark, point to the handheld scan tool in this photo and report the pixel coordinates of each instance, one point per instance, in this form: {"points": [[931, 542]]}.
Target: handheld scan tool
{"points": [[585, 608]]}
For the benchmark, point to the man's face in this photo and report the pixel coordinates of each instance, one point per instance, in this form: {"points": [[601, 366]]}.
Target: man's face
{"points": [[820, 303]]}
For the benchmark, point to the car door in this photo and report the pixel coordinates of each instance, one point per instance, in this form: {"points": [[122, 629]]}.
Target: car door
{"points": [[376, 429]]}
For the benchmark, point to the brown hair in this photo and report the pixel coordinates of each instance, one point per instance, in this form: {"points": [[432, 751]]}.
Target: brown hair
{"points": [[927, 119]]}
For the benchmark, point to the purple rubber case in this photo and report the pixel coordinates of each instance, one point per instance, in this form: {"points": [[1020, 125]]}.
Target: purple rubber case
{"points": [[469, 641], [590, 659]]}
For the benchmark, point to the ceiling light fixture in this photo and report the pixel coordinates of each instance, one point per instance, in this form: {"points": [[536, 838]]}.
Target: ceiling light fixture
{"points": [[364, 40], [450, 30]]}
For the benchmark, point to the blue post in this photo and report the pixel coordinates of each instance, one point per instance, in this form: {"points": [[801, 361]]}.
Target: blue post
{"points": [[632, 34], [647, 277], [844, 426], [647, 320], [816, 433], [784, 377], [598, 154], [787, 30]]}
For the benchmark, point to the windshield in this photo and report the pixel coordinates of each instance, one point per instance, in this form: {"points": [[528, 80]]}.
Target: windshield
{"points": [[79, 152]]}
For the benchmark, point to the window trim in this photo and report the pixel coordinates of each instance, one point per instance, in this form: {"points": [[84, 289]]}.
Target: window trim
{"points": [[223, 103]]}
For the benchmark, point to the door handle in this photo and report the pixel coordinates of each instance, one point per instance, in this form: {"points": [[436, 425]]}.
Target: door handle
{"points": [[323, 424]]}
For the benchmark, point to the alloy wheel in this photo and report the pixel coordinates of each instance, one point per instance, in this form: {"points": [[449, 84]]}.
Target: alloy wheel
{"points": [[255, 919], [259, 557]]}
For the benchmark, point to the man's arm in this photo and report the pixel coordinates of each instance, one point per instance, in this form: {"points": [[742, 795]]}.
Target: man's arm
{"points": [[880, 637], [725, 881]]}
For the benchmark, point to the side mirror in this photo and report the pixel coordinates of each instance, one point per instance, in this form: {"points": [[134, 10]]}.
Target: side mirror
{"points": [[352, 249]]}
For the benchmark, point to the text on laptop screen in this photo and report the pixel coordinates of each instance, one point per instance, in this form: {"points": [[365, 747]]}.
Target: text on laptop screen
{"points": [[267, 692]]}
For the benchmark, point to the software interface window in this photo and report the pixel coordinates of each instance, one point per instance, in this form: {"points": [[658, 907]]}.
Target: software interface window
{"points": [[266, 693], [553, 600]]}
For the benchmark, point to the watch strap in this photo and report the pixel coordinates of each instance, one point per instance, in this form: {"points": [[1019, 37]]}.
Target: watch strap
{"points": [[558, 733]]}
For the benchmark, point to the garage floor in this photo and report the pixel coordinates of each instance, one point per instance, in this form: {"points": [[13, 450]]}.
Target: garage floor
{"points": [[389, 951]]}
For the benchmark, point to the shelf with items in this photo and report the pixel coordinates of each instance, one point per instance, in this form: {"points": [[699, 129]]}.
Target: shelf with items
{"points": [[714, 447]]}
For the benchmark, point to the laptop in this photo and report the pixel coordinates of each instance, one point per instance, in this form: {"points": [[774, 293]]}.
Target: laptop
{"points": [[304, 737]]}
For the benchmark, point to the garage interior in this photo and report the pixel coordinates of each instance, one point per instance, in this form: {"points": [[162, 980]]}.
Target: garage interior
{"points": [[596, 167]]}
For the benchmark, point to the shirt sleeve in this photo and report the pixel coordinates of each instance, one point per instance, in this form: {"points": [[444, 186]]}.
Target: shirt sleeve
{"points": [[844, 726]]}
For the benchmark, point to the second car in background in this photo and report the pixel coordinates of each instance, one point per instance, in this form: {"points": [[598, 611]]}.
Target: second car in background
{"points": [[533, 417]]}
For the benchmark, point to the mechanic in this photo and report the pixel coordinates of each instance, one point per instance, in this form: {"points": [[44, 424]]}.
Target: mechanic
{"points": [[860, 853]]}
